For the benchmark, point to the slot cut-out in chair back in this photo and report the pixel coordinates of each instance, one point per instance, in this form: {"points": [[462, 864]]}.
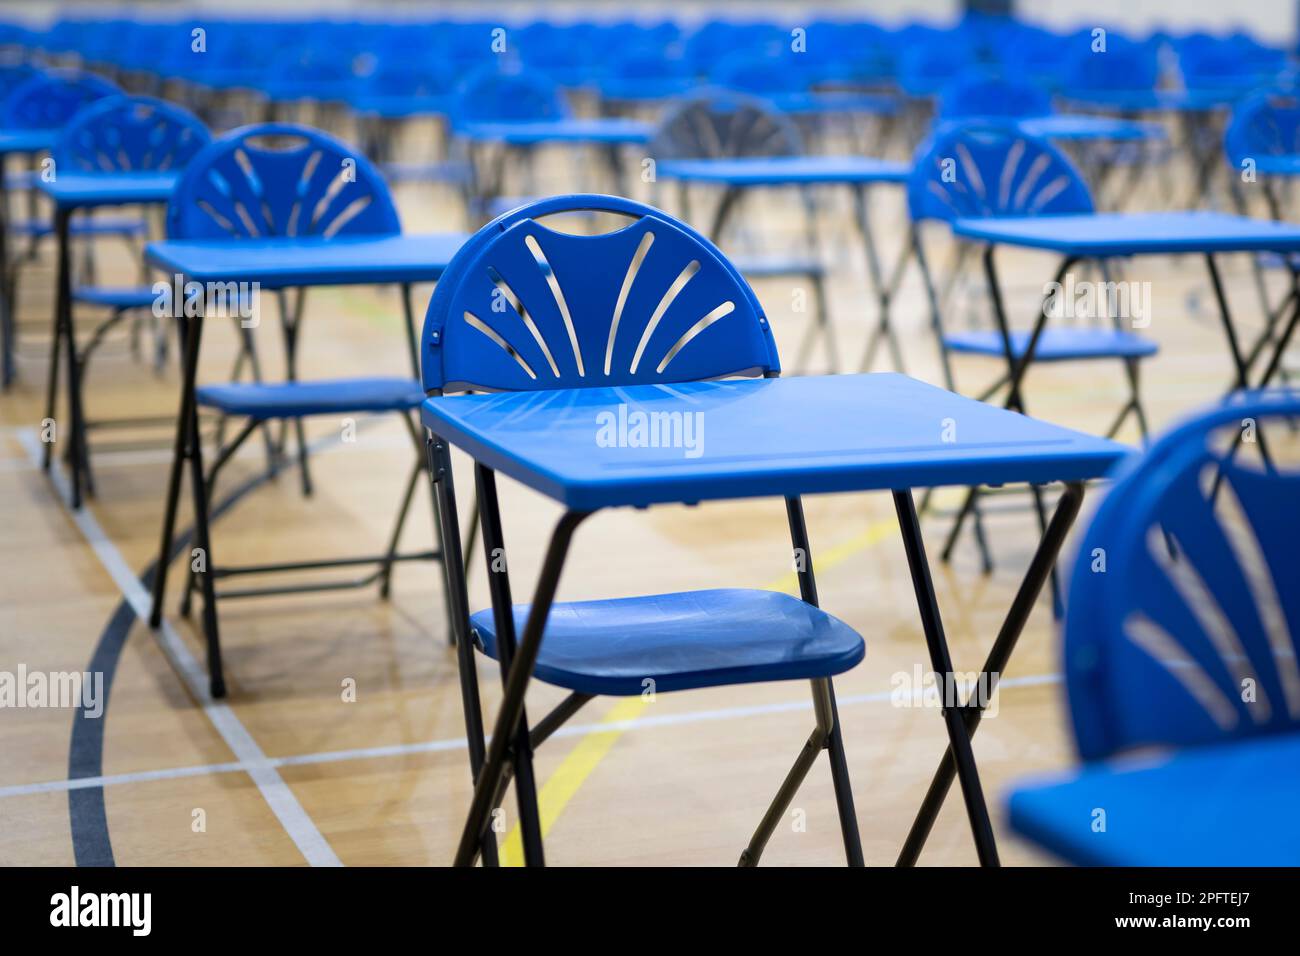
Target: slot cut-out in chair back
{"points": [[280, 179], [130, 134], [1183, 614], [523, 307]]}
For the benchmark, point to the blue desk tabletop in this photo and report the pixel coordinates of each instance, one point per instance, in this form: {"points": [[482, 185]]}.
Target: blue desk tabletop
{"points": [[586, 447], [26, 140], [609, 130], [1129, 234], [787, 170], [83, 190], [311, 261], [1081, 126]]}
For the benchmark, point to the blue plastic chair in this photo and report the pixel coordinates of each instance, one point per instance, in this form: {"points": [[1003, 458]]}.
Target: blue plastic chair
{"points": [[990, 169], [124, 134], [720, 124], [274, 180], [48, 100], [1263, 136], [652, 302], [1182, 634]]}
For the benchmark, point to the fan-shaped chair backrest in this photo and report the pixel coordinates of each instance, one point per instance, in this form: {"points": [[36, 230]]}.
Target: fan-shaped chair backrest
{"points": [[1183, 614], [1123, 65], [992, 96], [279, 179], [523, 307], [716, 123], [125, 133], [492, 94], [981, 168], [49, 100], [1264, 124]]}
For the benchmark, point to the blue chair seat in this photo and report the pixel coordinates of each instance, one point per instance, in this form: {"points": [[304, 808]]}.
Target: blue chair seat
{"points": [[302, 399], [684, 640], [115, 226], [1055, 345], [1219, 805], [115, 297]]}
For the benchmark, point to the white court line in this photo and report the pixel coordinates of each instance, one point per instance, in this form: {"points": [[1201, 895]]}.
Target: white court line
{"points": [[252, 760], [458, 743]]}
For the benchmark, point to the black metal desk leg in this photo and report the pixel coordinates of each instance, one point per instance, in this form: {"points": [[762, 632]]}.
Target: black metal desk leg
{"points": [[521, 670], [884, 292], [180, 453], [1044, 560], [63, 330], [941, 661], [1225, 316]]}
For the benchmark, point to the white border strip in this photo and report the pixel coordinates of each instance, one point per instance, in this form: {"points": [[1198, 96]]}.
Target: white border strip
{"points": [[313, 846]]}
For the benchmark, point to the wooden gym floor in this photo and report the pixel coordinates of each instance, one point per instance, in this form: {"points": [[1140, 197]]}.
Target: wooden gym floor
{"points": [[287, 771]]}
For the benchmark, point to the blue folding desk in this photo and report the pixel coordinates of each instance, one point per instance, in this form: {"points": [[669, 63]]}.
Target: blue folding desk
{"points": [[278, 263], [1112, 235], [857, 172], [26, 142], [769, 437], [71, 192]]}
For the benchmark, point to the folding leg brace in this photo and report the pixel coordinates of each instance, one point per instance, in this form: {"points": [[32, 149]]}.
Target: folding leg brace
{"points": [[513, 743]]}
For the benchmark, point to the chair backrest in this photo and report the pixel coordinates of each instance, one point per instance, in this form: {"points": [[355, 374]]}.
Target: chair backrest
{"points": [[50, 99], [125, 133], [492, 94], [279, 179], [1266, 123], [984, 168], [1183, 612], [1124, 65], [524, 307], [985, 96], [716, 123]]}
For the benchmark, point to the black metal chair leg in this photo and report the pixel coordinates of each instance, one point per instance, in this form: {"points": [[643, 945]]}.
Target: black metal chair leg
{"points": [[814, 745], [521, 669], [843, 790], [386, 572], [447, 522]]}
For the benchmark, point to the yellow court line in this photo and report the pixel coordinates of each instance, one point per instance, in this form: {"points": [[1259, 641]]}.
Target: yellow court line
{"points": [[592, 748]]}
